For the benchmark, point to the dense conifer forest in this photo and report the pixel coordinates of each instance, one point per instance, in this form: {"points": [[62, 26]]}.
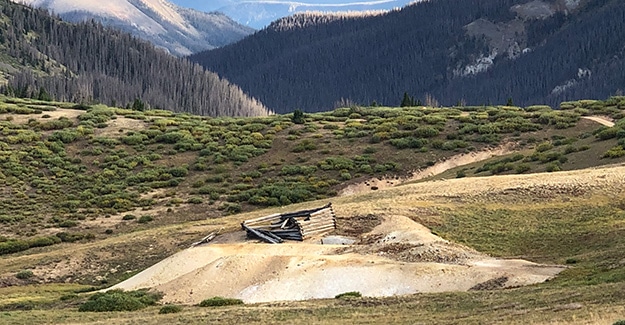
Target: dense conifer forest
{"points": [[45, 57], [313, 64]]}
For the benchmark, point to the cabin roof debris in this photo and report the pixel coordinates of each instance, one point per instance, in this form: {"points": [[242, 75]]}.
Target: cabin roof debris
{"points": [[298, 225]]}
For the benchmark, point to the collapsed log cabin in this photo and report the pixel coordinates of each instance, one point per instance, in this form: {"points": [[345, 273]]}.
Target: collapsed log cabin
{"points": [[297, 225]]}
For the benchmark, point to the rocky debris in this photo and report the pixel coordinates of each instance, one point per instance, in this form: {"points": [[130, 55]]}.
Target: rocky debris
{"points": [[492, 284], [357, 225]]}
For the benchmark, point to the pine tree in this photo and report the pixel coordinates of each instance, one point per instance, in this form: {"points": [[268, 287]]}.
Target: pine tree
{"points": [[407, 101], [298, 116], [509, 102]]}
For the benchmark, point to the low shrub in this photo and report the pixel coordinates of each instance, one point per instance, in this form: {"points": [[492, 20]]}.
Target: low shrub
{"points": [[615, 152], [43, 241], [409, 142], [129, 217], [553, 167], [522, 168], [220, 301], [13, 246], [118, 300], [145, 219], [305, 145], [170, 309], [24, 274], [607, 133], [350, 294]]}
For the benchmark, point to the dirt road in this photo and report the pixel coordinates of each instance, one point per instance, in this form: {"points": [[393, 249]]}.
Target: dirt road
{"points": [[438, 168]]}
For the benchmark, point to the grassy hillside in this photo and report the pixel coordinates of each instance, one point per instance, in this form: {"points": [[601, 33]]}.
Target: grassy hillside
{"points": [[74, 172], [92, 195]]}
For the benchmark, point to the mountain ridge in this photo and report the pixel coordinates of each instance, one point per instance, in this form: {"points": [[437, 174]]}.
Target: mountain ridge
{"points": [[361, 60], [47, 58], [181, 31], [260, 13]]}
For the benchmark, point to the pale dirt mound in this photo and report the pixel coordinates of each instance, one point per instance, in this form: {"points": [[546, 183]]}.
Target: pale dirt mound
{"points": [[436, 169], [383, 266]]}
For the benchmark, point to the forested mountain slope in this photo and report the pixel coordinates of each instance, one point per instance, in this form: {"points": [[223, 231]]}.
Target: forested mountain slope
{"points": [[474, 52], [42, 56], [180, 30]]}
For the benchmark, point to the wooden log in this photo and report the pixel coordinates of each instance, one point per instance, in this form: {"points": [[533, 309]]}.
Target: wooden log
{"points": [[304, 212], [323, 217], [296, 231], [269, 217], [312, 221], [261, 235], [328, 229], [205, 239], [316, 223], [319, 216], [326, 212], [271, 235], [307, 231]]}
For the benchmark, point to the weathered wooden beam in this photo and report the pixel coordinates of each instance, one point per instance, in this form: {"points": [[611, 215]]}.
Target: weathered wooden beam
{"points": [[265, 218], [260, 235], [205, 239], [271, 235], [319, 230], [325, 212], [304, 212], [313, 221]]}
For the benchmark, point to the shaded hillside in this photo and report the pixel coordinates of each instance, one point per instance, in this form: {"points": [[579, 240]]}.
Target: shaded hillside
{"points": [[483, 51], [180, 30], [45, 57]]}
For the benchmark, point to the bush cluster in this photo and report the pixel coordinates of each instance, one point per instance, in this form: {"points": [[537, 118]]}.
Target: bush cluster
{"points": [[220, 301], [118, 300]]}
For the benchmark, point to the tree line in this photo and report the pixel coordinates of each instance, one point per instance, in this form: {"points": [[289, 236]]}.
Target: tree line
{"points": [[87, 62]]}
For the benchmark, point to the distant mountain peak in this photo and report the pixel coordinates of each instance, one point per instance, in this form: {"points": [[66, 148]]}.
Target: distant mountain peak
{"points": [[179, 30]]}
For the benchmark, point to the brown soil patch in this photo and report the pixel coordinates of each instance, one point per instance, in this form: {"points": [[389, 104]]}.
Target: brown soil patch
{"points": [[357, 225], [71, 114], [118, 126]]}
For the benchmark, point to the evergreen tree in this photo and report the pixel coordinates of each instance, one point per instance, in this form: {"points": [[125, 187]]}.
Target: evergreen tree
{"points": [[509, 102], [298, 117], [407, 101]]}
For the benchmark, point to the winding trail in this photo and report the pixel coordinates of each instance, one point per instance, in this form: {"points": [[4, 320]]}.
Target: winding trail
{"points": [[436, 169]]}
